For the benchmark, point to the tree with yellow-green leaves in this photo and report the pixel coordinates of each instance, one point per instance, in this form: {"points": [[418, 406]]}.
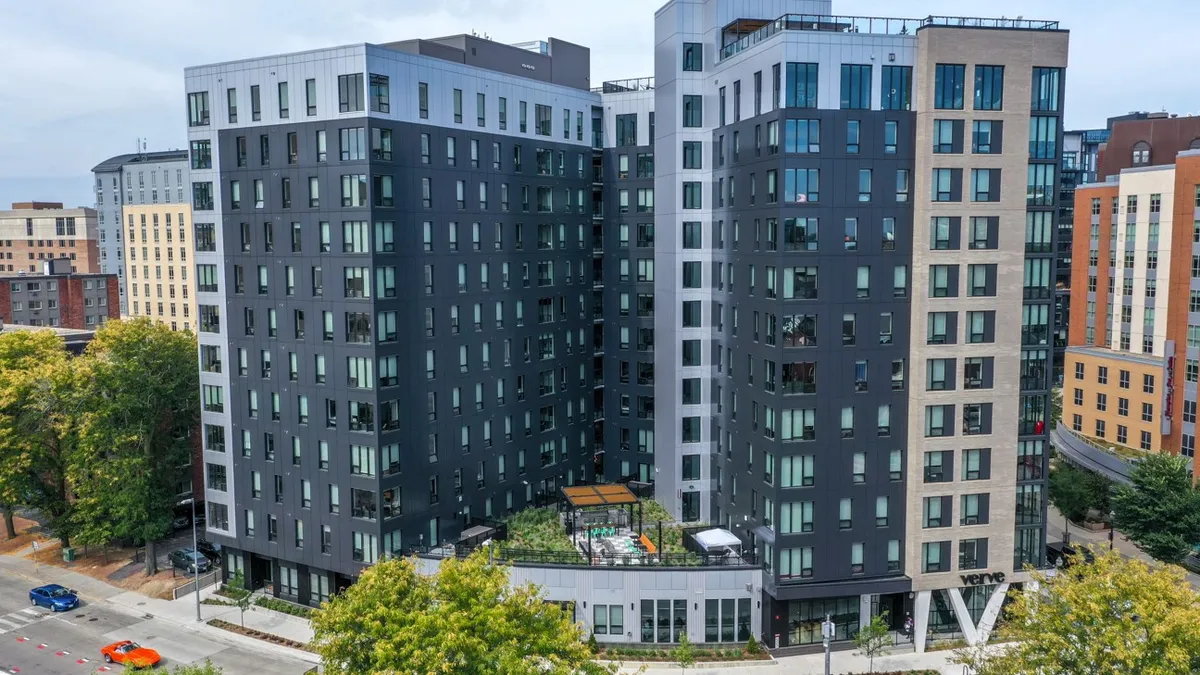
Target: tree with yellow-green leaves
{"points": [[1111, 617], [39, 427], [466, 619]]}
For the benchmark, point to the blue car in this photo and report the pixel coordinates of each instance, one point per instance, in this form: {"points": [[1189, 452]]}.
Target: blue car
{"points": [[54, 597]]}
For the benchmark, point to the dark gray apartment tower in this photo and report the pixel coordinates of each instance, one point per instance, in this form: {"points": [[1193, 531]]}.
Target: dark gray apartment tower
{"points": [[400, 247]]}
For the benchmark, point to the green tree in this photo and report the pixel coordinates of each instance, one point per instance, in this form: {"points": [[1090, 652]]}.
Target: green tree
{"points": [[19, 352], [143, 411], [466, 619], [1075, 491], [1160, 512], [684, 653], [872, 638], [1111, 617], [236, 588], [206, 668], [40, 409]]}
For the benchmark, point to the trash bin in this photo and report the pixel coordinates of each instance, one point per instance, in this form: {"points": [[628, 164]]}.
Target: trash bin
{"points": [[68, 554]]}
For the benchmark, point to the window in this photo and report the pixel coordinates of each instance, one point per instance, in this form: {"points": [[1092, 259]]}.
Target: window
{"points": [[943, 185], [896, 89], [201, 155], [864, 185], [948, 86], [350, 93], [693, 111], [802, 136], [380, 93], [801, 185], [284, 108], [856, 87], [890, 133], [1043, 137], [982, 181], [198, 109], [989, 87], [310, 97], [985, 137], [626, 129], [801, 89], [693, 56], [1046, 86]]}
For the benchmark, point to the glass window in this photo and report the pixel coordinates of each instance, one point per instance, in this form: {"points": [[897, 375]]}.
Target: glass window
{"points": [[801, 89], [989, 87], [856, 87], [948, 86], [896, 89]]}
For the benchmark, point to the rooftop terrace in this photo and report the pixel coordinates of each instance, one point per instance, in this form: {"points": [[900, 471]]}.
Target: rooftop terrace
{"points": [[754, 31], [627, 85]]}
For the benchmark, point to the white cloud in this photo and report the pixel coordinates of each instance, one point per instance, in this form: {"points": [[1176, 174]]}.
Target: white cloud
{"points": [[92, 77]]}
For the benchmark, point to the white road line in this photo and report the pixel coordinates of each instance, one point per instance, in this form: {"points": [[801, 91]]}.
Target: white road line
{"points": [[31, 610], [9, 625]]}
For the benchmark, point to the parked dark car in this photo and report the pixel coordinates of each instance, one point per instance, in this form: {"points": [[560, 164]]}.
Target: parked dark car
{"points": [[210, 550], [188, 560], [1066, 555]]}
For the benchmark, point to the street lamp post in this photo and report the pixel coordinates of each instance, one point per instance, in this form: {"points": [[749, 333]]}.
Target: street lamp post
{"points": [[827, 635], [195, 563], [1112, 528]]}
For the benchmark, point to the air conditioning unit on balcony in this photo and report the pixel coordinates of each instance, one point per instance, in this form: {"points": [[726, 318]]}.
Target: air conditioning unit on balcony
{"points": [[971, 520]]}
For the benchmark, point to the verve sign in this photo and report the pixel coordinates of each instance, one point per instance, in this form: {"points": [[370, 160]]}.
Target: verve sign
{"points": [[981, 579]]}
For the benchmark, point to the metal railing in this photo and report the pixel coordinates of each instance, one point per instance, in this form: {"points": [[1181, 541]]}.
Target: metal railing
{"points": [[206, 580], [874, 26], [626, 85]]}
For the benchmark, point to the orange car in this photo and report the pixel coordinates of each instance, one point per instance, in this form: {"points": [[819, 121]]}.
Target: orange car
{"points": [[130, 654]]}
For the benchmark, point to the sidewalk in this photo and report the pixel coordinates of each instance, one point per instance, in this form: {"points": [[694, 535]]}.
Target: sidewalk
{"points": [[181, 611], [814, 664]]}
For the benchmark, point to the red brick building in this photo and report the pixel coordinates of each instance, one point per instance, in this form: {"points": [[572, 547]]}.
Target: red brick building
{"points": [[58, 298]]}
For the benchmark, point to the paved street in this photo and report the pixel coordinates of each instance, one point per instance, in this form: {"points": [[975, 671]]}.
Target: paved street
{"points": [[1079, 536], [35, 642]]}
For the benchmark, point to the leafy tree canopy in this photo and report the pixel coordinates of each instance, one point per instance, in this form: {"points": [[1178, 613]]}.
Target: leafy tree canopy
{"points": [[1075, 491], [1161, 510], [466, 619], [1111, 617]]}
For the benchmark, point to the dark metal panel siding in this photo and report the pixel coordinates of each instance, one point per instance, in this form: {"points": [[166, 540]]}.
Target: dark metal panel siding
{"points": [[835, 362], [409, 259]]}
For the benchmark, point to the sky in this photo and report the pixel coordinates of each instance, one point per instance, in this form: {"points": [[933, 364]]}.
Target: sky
{"points": [[92, 78]]}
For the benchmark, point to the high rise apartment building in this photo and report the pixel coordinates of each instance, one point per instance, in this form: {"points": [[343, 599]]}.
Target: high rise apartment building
{"points": [[396, 308], [801, 280], [34, 232], [159, 260], [138, 179]]}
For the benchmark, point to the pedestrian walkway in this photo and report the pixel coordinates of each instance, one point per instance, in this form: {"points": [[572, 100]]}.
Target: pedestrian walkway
{"points": [[181, 611], [814, 664], [19, 619]]}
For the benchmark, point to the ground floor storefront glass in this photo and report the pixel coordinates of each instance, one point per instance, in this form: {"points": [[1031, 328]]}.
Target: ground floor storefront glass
{"points": [[805, 618]]}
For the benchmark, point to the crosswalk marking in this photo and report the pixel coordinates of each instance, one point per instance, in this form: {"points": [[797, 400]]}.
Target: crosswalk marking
{"points": [[19, 619]]}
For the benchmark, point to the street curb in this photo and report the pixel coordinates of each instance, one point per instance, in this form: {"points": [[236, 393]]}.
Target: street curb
{"points": [[215, 633], [699, 666]]}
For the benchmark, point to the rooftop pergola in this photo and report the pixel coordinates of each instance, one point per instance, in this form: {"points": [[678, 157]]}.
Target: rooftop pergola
{"points": [[582, 496], [599, 497]]}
